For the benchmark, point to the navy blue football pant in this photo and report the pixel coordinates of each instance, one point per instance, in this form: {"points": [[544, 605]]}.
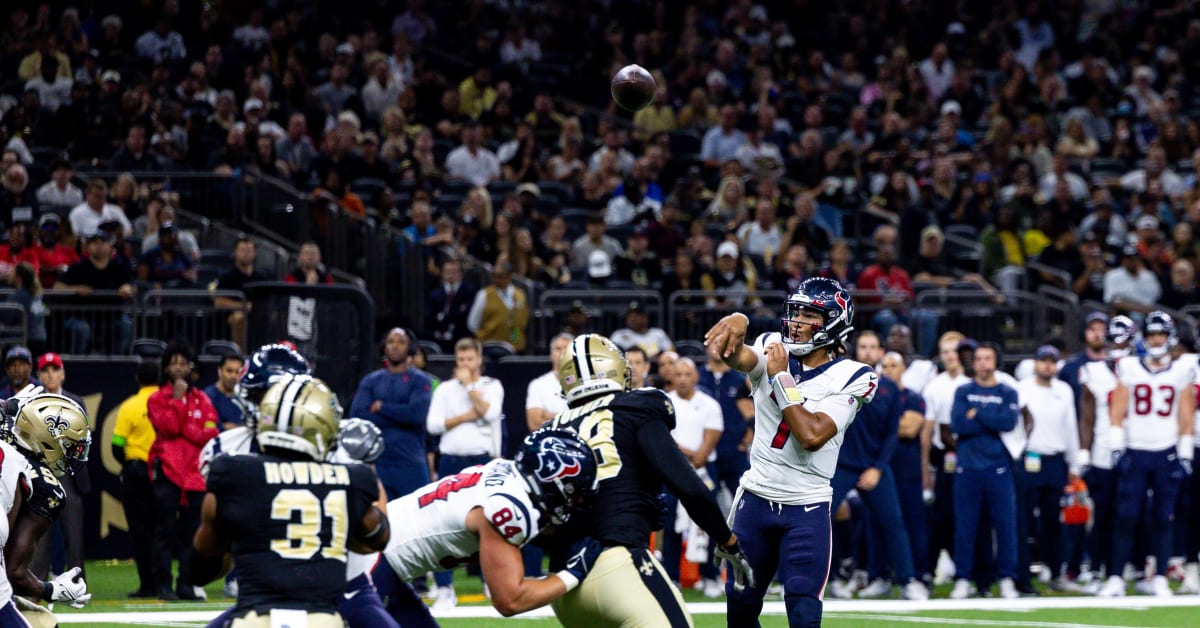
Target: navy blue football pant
{"points": [[10, 616], [1042, 490], [401, 602], [942, 528], [447, 466], [883, 513], [911, 493], [793, 539], [1187, 518], [361, 606], [992, 491], [1137, 472], [1102, 487]]}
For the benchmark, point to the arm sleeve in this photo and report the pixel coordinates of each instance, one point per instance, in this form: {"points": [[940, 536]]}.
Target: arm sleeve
{"points": [[1001, 417], [475, 317], [125, 414], [891, 434], [199, 431], [959, 422], [659, 449], [435, 420], [412, 411], [163, 411]]}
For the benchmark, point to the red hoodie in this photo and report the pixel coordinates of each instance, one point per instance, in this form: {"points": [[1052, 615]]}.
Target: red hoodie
{"points": [[181, 429]]}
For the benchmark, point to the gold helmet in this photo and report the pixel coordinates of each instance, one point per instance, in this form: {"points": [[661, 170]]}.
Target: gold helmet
{"points": [[55, 430], [592, 365], [301, 414]]}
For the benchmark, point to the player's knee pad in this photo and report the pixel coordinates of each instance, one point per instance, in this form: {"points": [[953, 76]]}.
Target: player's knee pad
{"points": [[803, 611]]}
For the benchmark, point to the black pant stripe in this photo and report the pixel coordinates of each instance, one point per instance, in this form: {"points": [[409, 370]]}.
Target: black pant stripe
{"points": [[656, 583]]}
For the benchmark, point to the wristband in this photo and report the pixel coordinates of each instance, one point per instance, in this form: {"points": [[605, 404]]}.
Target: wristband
{"points": [[786, 392], [48, 591], [1186, 447], [568, 579], [1083, 458], [1116, 438]]}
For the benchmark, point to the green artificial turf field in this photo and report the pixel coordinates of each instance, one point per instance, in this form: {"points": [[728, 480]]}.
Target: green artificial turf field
{"points": [[111, 581]]}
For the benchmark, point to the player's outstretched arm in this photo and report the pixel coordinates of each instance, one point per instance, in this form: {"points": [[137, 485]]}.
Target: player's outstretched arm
{"points": [[504, 572], [210, 560], [728, 340]]}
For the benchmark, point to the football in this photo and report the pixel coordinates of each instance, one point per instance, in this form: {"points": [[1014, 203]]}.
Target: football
{"points": [[633, 88]]}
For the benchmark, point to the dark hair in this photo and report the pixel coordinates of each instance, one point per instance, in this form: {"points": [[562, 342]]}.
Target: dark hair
{"points": [[174, 349], [640, 350], [147, 373], [232, 356], [995, 348]]}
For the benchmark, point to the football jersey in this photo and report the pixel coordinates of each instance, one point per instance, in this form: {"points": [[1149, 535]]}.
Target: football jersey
{"points": [[1151, 421], [238, 440], [429, 525], [1100, 380], [781, 470], [14, 471], [289, 522]]}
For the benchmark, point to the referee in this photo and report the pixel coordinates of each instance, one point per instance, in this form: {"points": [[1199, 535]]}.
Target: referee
{"points": [[1051, 458]]}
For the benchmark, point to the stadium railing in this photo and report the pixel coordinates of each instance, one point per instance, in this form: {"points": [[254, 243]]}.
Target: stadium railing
{"points": [[190, 315], [101, 322], [14, 329], [605, 311]]}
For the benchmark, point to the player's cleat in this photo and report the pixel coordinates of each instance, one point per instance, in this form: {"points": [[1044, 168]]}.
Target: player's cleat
{"points": [[1064, 584], [230, 589], [776, 590], [840, 590], [1175, 569], [444, 599], [962, 589], [713, 588], [879, 587], [141, 593], [1145, 586], [915, 590], [1008, 590], [858, 580], [1191, 580], [1113, 587], [944, 572], [1160, 588]]}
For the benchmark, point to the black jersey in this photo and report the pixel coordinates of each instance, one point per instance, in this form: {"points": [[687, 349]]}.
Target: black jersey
{"points": [[44, 495], [288, 522], [630, 434]]}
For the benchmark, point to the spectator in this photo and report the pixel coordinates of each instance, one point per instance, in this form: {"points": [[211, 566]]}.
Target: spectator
{"points": [[983, 410], [543, 397], [52, 375], [761, 237], [184, 420], [763, 159], [223, 392], [791, 269], [910, 463], [296, 149], [698, 428], [166, 266], [86, 217], [732, 281], [53, 256], [18, 249], [638, 333], [53, 90], [59, 194], [46, 47], [186, 239], [840, 267], [721, 143], [235, 279], [658, 117], [309, 269], [161, 43], [17, 202], [594, 240], [937, 71], [133, 156], [1061, 172], [18, 369], [885, 277], [132, 439], [448, 306], [614, 146], [396, 398], [471, 161], [27, 292], [1182, 290], [728, 205], [500, 311], [1131, 287], [90, 274], [638, 265], [255, 111], [333, 94]]}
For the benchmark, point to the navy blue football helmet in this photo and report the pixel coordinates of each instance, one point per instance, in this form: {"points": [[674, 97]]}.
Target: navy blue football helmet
{"points": [[1120, 336], [1159, 322], [832, 301], [264, 367], [560, 471]]}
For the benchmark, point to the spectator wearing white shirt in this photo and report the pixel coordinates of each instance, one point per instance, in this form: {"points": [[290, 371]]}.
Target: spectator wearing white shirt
{"points": [[762, 236], [939, 400], [381, 90], [53, 90], [614, 142], [699, 424], [638, 333], [721, 143], [161, 43], [1051, 458], [1155, 168], [518, 49], [543, 398], [1131, 287], [466, 412], [59, 192], [86, 217], [758, 157], [1060, 170], [255, 113], [252, 35], [937, 71], [471, 161], [919, 372]]}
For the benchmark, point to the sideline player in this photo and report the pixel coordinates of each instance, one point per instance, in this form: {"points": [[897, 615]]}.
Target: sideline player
{"points": [[630, 435], [1151, 438], [1097, 380], [288, 517], [488, 512], [806, 393]]}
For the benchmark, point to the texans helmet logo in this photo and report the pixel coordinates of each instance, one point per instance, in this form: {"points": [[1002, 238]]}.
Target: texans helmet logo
{"points": [[841, 301], [554, 464]]}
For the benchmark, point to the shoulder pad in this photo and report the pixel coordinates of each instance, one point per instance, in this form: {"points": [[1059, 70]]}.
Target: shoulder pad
{"points": [[765, 339], [511, 516], [46, 496], [861, 380], [648, 403]]}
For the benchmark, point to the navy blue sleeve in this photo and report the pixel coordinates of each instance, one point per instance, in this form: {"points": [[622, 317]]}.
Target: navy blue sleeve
{"points": [[1001, 417], [891, 428], [959, 422]]}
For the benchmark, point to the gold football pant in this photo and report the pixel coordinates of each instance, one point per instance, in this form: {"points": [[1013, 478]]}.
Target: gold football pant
{"points": [[627, 588]]}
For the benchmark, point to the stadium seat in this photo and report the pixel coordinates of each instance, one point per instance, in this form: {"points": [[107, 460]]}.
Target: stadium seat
{"points": [[220, 348], [691, 349], [494, 350], [430, 347], [148, 348]]}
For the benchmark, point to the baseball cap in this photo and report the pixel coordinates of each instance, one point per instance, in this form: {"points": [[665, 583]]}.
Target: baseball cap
{"points": [[529, 188], [951, 106], [1130, 249], [110, 76], [252, 103], [727, 249], [50, 218], [18, 353], [641, 231], [345, 49], [967, 343], [168, 225], [932, 231], [1096, 317], [577, 306], [599, 266], [98, 234], [1047, 352], [49, 359], [1146, 221], [636, 306], [368, 137]]}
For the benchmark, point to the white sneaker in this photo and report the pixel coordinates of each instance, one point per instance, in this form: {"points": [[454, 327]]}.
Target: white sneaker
{"points": [[1113, 587], [1145, 586], [713, 588], [962, 589], [1175, 569], [776, 590], [200, 592], [1159, 587], [915, 590], [1064, 584], [1092, 588], [944, 572], [1087, 577], [879, 587], [1008, 590], [1191, 580], [858, 580], [840, 590], [231, 588], [444, 599]]}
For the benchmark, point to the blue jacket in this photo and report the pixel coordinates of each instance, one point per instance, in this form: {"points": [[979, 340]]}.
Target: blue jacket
{"points": [[996, 412], [728, 391], [405, 398], [906, 460], [871, 438], [227, 410]]}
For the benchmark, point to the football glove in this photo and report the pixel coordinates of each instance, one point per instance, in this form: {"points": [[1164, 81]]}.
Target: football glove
{"points": [[13, 404], [583, 557], [70, 587], [743, 573]]}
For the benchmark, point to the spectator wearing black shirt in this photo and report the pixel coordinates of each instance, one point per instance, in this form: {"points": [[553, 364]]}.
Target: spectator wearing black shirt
{"points": [[309, 269], [801, 228], [638, 264], [1089, 283], [1062, 254], [1181, 290], [133, 156], [791, 269], [18, 203], [96, 272], [449, 303], [235, 279], [165, 265], [368, 164]]}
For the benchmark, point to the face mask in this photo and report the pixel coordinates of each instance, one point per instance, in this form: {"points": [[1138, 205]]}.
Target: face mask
{"points": [[1157, 352]]}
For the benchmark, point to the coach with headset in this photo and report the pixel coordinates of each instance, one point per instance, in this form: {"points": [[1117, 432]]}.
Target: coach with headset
{"points": [[396, 399]]}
